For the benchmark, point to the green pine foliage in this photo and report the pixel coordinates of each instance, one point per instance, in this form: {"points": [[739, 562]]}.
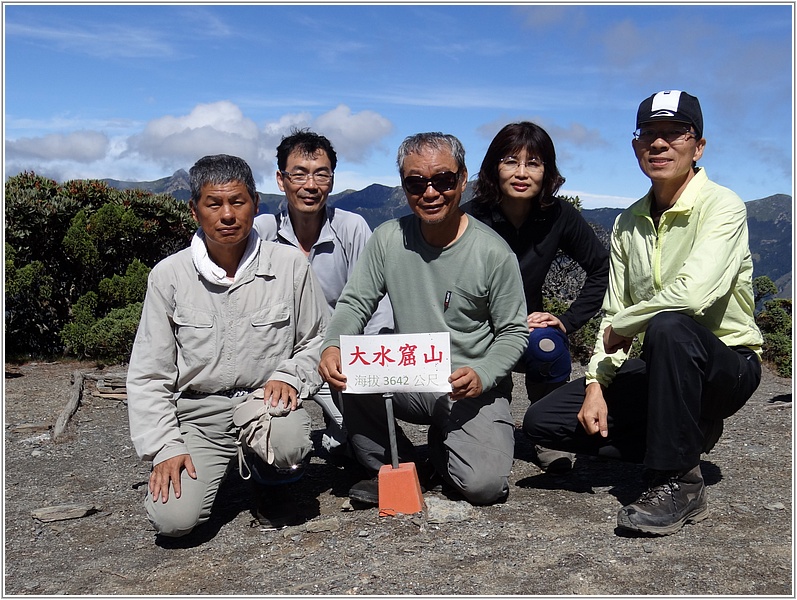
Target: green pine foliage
{"points": [[77, 259], [774, 321], [562, 286]]}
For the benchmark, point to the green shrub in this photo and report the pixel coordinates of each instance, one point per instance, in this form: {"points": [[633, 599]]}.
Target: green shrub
{"points": [[75, 334], [30, 306], [775, 323], [78, 243], [111, 337], [64, 241], [582, 341], [121, 290], [777, 350]]}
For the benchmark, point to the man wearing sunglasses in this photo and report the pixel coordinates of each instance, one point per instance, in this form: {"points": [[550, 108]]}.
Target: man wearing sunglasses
{"points": [[444, 271], [330, 238], [680, 278]]}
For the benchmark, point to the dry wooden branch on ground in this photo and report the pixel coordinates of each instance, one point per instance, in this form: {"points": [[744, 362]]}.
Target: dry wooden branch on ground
{"points": [[109, 385], [71, 406]]}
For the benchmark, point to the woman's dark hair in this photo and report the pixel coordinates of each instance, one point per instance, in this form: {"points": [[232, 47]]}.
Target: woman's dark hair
{"points": [[510, 141]]}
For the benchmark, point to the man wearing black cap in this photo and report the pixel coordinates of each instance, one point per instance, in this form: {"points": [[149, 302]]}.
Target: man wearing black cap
{"points": [[681, 280]]}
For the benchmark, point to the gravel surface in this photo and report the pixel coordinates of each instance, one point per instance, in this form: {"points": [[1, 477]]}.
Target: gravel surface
{"points": [[554, 536]]}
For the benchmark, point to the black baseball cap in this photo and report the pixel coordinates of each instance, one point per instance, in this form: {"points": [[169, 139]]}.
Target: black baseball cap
{"points": [[671, 105]]}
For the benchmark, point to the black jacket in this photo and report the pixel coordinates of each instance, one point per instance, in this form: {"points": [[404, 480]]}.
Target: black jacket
{"points": [[560, 226]]}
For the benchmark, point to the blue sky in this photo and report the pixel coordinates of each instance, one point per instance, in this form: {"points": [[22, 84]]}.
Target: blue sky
{"points": [[135, 92]]}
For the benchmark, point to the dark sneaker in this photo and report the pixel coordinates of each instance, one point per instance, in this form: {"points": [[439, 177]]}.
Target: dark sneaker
{"points": [[275, 508], [554, 461], [365, 491], [673, 500]]}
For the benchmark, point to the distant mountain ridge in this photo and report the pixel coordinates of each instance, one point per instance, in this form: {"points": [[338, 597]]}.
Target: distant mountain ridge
{"points": [[769, 219]]}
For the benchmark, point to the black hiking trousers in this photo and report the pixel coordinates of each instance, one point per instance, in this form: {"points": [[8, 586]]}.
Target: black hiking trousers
{"points": [[664, 409]]}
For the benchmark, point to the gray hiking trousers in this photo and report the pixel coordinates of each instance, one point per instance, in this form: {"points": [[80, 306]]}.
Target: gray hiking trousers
{"points": [[210, 435], [471, 441]]}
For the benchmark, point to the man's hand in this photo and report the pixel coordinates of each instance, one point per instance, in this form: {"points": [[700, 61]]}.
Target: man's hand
{"points": [[329, 369], [544, 319], [594, 411], [465, 383], [613, 341], [279, 391], [169, 471]]}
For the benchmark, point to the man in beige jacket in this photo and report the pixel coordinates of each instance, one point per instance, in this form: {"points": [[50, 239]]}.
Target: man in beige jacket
{"points": [[223, 318]]}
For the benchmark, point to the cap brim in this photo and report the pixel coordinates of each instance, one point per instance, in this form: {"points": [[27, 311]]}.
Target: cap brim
{"points": [[667, 118]]}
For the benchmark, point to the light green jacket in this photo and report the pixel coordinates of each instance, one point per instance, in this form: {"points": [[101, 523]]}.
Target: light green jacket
{"points": [[698, 263]]}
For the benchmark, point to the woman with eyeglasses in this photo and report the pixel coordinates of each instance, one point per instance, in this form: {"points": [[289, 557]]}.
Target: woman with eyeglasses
{"points": [[515, 195]]}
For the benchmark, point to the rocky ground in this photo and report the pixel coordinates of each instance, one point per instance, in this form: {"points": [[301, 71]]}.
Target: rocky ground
{"points": [[554, 536]]}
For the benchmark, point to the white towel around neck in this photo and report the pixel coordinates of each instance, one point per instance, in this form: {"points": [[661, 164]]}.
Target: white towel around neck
{"points": [[212, 272]]}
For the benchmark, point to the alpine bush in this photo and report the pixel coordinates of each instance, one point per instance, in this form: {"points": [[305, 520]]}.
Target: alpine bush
{"points": [[75, 253]]}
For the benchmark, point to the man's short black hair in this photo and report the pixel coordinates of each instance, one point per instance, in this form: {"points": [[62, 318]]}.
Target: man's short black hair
{"points": [[307, 143], [220, 168]]}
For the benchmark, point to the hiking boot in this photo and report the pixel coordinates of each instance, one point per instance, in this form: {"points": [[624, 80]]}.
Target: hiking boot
{"points": [[555, 462], [275, 508], [674, 499], [366, 491]]}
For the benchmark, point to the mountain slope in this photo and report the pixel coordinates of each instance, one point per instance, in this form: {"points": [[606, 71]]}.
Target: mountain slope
{"points": [[769, 219]]}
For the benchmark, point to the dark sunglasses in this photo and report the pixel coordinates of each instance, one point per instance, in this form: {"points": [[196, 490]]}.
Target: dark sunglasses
{"points": [[442, 182]]}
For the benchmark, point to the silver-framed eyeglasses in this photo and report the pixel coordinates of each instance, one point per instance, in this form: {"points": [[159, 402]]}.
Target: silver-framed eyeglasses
{"points": [[321, 178], [510, 163], [674, 136]]}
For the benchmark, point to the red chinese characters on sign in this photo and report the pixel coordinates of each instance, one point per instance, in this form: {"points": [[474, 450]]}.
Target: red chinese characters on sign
{"points": [[408, 356], [396, 362], [359, 355], [432, 357]]}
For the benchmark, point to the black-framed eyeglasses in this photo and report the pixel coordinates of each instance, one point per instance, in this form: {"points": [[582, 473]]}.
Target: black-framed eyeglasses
{"points": [[510, 163], [442, 182], [321, 178], [676, 135]]}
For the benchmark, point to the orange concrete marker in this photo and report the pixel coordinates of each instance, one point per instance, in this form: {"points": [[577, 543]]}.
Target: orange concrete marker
{"points": [[399, 488]]}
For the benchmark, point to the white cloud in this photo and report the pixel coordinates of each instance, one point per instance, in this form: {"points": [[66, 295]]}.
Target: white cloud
{"points": [[467, 98], [216, 128], [223, 116], [622, 40], [353, 135], [78, 146], [577, 135], [175, 142], [286, 122]]}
